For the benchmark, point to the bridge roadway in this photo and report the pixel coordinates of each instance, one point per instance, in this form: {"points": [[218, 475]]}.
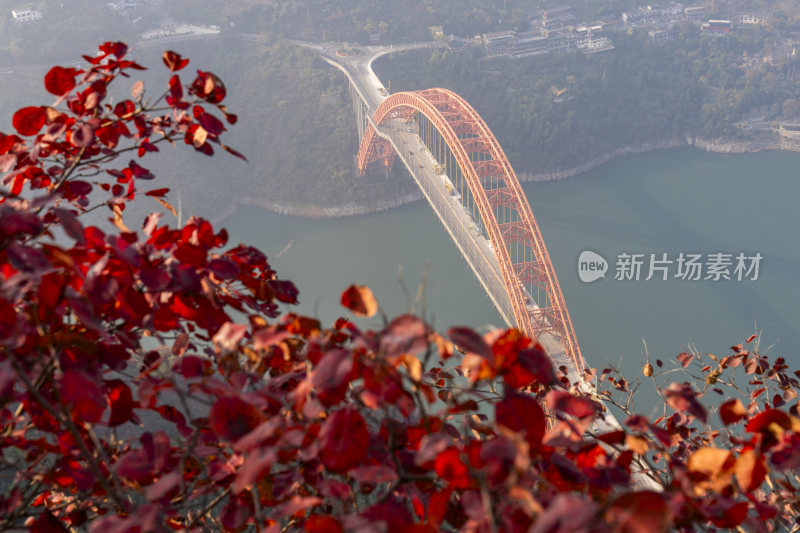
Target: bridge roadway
{"points": [[476, 249]]}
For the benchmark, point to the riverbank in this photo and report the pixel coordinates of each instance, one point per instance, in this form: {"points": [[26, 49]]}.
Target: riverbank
{"points": [[756, 144]]}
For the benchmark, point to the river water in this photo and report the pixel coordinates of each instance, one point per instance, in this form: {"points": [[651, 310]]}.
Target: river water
{"points": [[670, 201]]}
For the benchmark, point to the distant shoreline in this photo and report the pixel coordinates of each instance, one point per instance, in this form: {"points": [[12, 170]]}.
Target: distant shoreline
{"points": [[322, 211]]}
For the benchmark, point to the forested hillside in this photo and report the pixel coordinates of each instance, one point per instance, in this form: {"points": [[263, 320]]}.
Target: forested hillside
{"points": [[637, 93], [296, 127]]}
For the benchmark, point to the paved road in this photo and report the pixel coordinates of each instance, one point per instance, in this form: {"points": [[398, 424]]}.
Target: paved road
{"points": [[359, 65]]}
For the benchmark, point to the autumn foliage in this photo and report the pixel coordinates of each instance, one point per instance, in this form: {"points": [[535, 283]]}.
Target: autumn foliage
{"points": [[153, 379]]}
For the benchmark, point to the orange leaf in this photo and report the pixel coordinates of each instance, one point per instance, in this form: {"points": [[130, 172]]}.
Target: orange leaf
{"points": [[200, 136], [360, 300], [708, 461], [636, 443], [713, 467], [167, 205], [137, 89], [750, 470]]}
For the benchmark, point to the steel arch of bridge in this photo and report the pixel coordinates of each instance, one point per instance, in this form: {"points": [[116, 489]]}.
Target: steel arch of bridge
{"points": [[482, 162]]}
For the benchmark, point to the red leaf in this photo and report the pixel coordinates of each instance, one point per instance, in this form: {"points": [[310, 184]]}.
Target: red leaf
{"points": [[770, 416], [681, 397], [59, 81], [47, 523], [567, 512], [233, 152], [209, 87], [360, 300], [438, 506], [374, 474], [157, 192], [13, 222], [82, 136], [258, 463], [750, 338], [71, 224], [684, 359], [449, 466], [295, 504], [223, 268], [322, 524], [126, 107], [191, 254], [160, 488], [236, 512], [640, 512], [211, 123], [612, 437], [120, 400], [471, 342], [729, 516], [535, 361], [732, 411], [228, 336], [86, 397], [7, 162], [79, 187], [29, 120], [117, 49], [174, 61], [343, 440], [404, 334], [175, 88], [232, 418], [522, 414], [576, 406], [191, 366], [332, 375]]}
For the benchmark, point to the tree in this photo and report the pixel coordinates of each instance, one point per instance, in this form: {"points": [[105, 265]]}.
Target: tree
{"points": [[150, 382]]}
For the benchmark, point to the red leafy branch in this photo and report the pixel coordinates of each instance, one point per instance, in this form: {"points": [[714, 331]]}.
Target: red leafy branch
{"points": [[152, 379]]}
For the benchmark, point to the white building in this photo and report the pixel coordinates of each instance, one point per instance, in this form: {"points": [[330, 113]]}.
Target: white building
{"points": [[25, 15], [122, 4]]}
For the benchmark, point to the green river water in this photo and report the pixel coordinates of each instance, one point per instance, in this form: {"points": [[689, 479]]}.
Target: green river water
{"points": [[670, 201]]}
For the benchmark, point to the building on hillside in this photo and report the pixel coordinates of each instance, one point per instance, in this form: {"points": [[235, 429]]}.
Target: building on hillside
{"points": [[653, 14], [561, 40], [529, 44], [498, 43], [587, 38], [592, 38], [121, 5], [662, 33], [751, 20], [436, 31], [22, 16], [457, 44], [694, 12], [717, 26], [555, 16]]}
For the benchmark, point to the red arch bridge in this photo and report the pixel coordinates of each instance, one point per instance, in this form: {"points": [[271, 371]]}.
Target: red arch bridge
{"points": [[463, 172]]}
